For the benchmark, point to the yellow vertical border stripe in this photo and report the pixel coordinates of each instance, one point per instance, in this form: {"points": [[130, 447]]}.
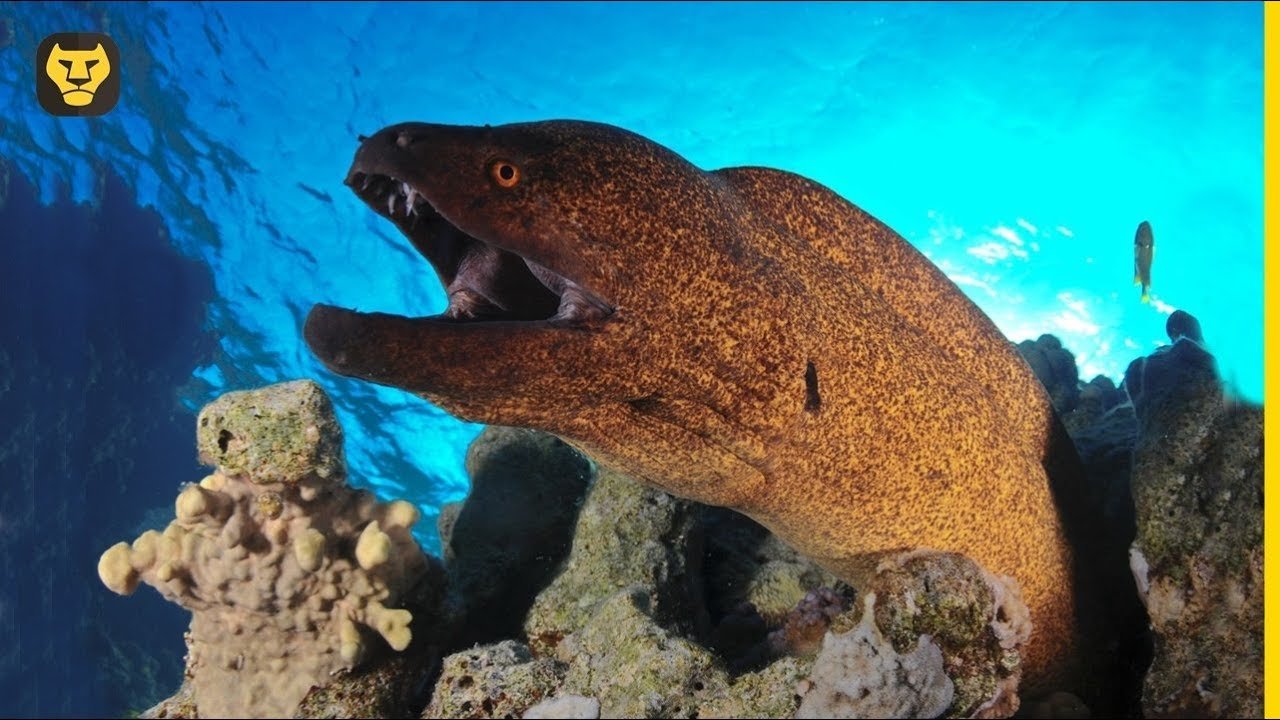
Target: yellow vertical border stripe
{"points": [[1271, 319]]}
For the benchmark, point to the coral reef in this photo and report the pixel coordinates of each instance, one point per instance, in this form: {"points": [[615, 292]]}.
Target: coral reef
{"points": [[619, 646], [567, 593], [182, 704], [772, 692], [290, 575], [392, 685], [1183, 324], [1099, 418], [1104, 428], [1197, 486], [755, 593]]}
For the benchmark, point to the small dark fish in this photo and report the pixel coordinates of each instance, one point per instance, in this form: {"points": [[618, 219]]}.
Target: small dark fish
{"points": [[1144, 250]]}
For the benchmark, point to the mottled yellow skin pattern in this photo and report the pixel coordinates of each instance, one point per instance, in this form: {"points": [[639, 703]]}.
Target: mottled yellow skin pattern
{"points": [[930, 431], [774, 350]]}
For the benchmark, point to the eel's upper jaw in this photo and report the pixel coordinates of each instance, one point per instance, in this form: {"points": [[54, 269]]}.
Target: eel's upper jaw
{"points": [[483, 281]]}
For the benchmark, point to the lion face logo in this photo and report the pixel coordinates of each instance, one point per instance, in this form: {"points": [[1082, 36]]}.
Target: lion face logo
{"points": [[80, 74]]}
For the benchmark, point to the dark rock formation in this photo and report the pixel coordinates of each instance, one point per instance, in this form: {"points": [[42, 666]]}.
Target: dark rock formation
{"points": [[1197, 487], [1055, 366], [506, 542], [1183, 324]]}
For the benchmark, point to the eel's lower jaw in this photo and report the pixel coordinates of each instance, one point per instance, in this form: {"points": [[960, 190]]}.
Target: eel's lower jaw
{"points": [[380, 348], [461, 366], [414, 354], [331, 333]]}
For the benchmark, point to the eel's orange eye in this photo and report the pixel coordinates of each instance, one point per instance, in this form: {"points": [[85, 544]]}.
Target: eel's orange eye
{"points": [[504, 173]]}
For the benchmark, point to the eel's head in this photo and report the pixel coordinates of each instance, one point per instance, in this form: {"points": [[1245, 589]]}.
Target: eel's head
{"points": [[563, 247]]}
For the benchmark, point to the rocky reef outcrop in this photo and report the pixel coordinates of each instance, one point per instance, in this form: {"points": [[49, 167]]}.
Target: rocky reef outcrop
{"points": [[1197, 487], [626, 536], [572, 592], [1180, 463], [292, 577]]}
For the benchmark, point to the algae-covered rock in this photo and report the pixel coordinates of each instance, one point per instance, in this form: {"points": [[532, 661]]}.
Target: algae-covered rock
{"points": [[279, 434], [1197, 559], [773, 692], [977, 620], [636, 668], [492, 681], [1097, 397], [755, 585], [515, 528], [627, 535], [1100, 421], [860, 673], [1058, 706]]}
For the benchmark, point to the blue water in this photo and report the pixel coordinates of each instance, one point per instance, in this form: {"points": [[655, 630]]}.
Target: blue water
{"points": [[1019, 145]]}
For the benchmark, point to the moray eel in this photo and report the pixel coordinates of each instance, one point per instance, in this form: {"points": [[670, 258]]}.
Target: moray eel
{"points": [[744, 338]]}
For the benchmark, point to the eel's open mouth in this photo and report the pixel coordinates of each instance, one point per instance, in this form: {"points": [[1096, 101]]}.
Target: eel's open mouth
{"points": [[483, 282]]}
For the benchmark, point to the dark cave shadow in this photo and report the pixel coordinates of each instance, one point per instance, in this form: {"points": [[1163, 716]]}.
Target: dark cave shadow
{"points": [[101, 320]]}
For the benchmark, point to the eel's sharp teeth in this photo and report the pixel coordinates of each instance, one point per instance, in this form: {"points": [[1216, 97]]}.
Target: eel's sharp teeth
{"points": [[365, 184], [391, 204], [412, 195]]}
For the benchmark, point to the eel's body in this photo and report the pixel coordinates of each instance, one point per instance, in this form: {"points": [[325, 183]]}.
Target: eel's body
{"points": [[744, 338]]}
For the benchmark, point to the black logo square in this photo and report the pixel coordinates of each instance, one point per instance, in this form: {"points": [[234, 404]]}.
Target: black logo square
{"points": [[77, 74]]}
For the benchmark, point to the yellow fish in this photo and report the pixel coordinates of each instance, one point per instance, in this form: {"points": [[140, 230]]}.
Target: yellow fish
{"points": [[1144, 251]]}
